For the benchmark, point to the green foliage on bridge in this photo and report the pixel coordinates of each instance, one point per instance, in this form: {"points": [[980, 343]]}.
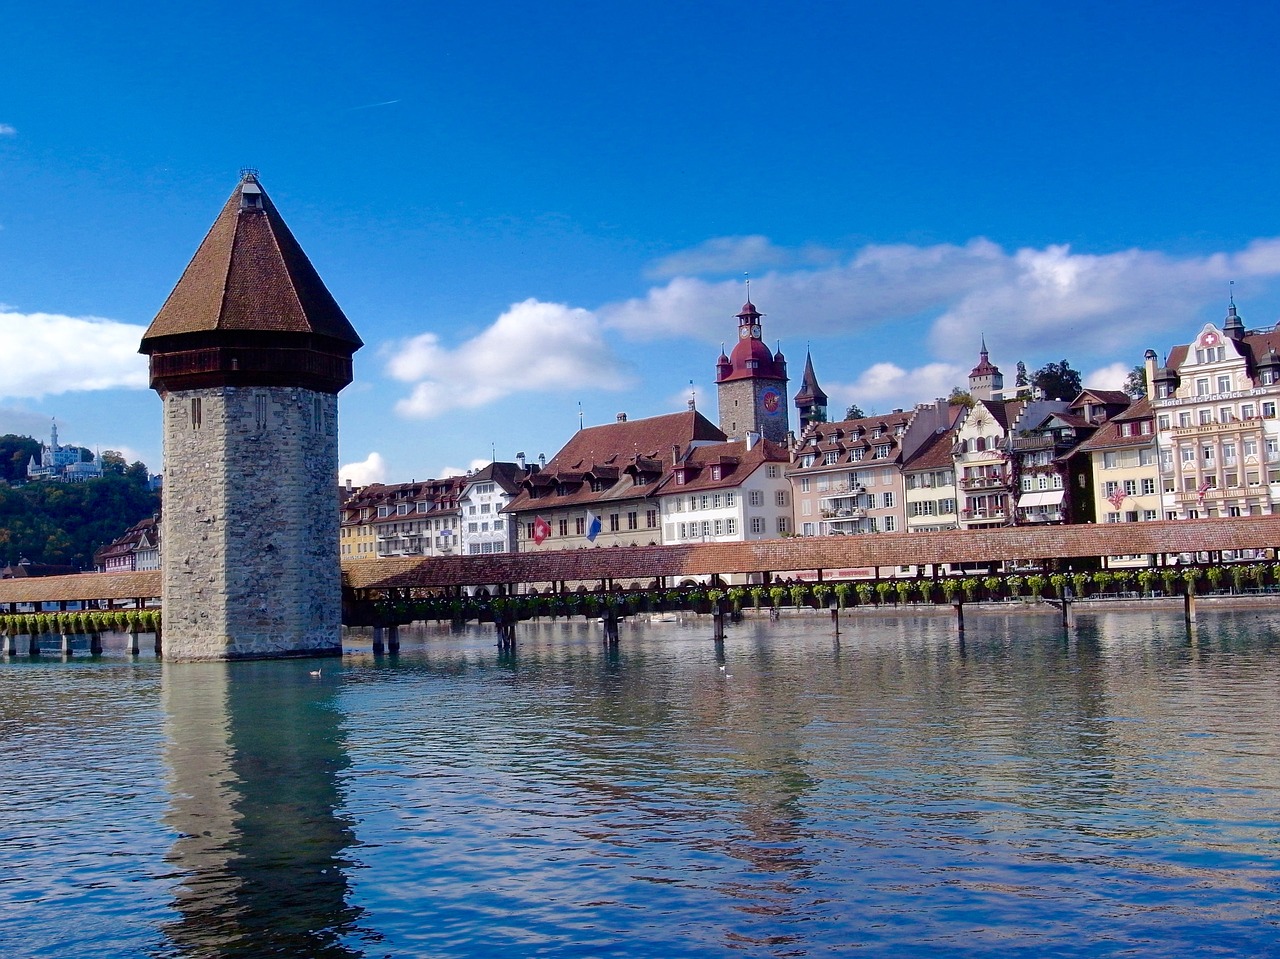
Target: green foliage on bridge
{"points": [[1101, 584], [80, 623]]}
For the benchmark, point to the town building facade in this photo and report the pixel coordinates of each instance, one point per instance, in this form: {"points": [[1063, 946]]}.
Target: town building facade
{"points": [[483, 529], [601, 488], [1217, 433], [727, 492]]}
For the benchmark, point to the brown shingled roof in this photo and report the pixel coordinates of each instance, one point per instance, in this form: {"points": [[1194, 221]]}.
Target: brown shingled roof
{"points": [[250, 275], [617, 445]]}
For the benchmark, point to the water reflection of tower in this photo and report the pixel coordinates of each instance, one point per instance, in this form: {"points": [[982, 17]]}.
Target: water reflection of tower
{"points": [[254, 755]]}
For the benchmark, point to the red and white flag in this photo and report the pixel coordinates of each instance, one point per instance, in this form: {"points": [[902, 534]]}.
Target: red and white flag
{"points": [[1204, 488], [1117, 496], [541, 530]]}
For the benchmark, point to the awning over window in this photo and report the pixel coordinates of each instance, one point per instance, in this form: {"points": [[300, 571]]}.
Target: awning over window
{"points": [[1049, 497]]}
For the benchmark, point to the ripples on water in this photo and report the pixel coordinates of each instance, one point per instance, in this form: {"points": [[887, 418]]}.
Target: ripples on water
{"points": [[897, 793]]}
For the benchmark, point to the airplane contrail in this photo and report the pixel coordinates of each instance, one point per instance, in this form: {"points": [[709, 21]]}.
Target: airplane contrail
{"points": [[370, 106]]}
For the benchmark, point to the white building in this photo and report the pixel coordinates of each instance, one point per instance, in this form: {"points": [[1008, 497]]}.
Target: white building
{"points": [[484, 495], [1217, 432], [727, 492]]}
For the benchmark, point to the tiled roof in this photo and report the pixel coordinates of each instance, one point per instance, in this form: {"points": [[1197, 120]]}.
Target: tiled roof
{"points": [[620, 453], [506, 475], [934, 454], [1109, 397], [845, 436], [81, 586], [736, 463], [643, 563], [250, 274], [1139, 409], [1108, 436]]}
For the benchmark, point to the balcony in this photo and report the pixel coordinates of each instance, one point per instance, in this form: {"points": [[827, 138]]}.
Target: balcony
{"points": [[853, 512], [1053, 517], [982, 514], [983, 482]]}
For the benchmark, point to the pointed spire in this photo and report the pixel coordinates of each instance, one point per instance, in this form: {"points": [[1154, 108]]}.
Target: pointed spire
{"points": [[811, 401], [250, 309], [1233, 326], [250, 274]]}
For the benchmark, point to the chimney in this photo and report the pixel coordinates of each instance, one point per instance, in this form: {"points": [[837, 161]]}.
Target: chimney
{"points": [[621, 417], [348, 484], [520, 459], [542, 461], [675, 455], [1149, 372], [751, 440]]}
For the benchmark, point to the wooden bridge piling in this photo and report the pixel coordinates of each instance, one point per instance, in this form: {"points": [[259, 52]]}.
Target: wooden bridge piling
{"points": [[131, 644], [717, 621]]}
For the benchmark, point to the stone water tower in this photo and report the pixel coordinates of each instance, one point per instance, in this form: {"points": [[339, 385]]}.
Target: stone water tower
{"points": [[248, 354]]}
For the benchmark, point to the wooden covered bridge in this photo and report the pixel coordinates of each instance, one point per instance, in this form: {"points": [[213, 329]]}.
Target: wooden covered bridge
{"points": [[822, 558]]}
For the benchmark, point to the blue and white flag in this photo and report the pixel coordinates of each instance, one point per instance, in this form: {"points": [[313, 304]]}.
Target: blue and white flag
{"points": [[593, 526]]}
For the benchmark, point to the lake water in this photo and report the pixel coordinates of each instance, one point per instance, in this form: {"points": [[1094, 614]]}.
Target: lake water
{"points": [[1111, 792]]}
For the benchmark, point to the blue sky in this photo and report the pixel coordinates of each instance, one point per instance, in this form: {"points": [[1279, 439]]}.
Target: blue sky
{"points": [[529, 210]]}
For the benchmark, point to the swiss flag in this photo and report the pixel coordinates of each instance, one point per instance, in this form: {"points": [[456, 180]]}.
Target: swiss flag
{"points": [[541, 530]]}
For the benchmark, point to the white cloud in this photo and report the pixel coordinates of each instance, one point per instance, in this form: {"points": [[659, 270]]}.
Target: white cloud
{"points": [[373, 469], [8, 131], [43, 354], [1022, 300], [885, 386], [1111, 377], [736, 255], [532, 346], [705, 396], [477, 464]]}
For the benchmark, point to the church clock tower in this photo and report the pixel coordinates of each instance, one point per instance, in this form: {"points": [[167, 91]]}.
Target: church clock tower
{"points": [[751, 384]]}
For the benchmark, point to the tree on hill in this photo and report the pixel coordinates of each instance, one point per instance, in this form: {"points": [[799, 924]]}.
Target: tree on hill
{"points": [[1057, 381], [15, 453], [854, 412], [64, 523], [960, 397]]}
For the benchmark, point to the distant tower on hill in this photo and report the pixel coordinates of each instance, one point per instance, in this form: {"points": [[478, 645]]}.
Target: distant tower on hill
{"points": [[811, 402], [985, 379], [248, 354], [752, 384]]}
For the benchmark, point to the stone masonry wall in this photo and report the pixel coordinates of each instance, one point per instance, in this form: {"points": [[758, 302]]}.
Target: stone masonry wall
{"points": [[250, 524]]}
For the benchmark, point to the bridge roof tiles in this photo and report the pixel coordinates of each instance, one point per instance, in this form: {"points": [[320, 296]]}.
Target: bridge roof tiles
{"points": [[643, 563]]}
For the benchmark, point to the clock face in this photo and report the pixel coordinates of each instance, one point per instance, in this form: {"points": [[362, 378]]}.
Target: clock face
{"points": [[771, 400], [744, 331]]}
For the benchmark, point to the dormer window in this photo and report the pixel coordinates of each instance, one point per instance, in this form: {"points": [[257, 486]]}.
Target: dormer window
{"points": [[715, 472], [250, 195]]}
